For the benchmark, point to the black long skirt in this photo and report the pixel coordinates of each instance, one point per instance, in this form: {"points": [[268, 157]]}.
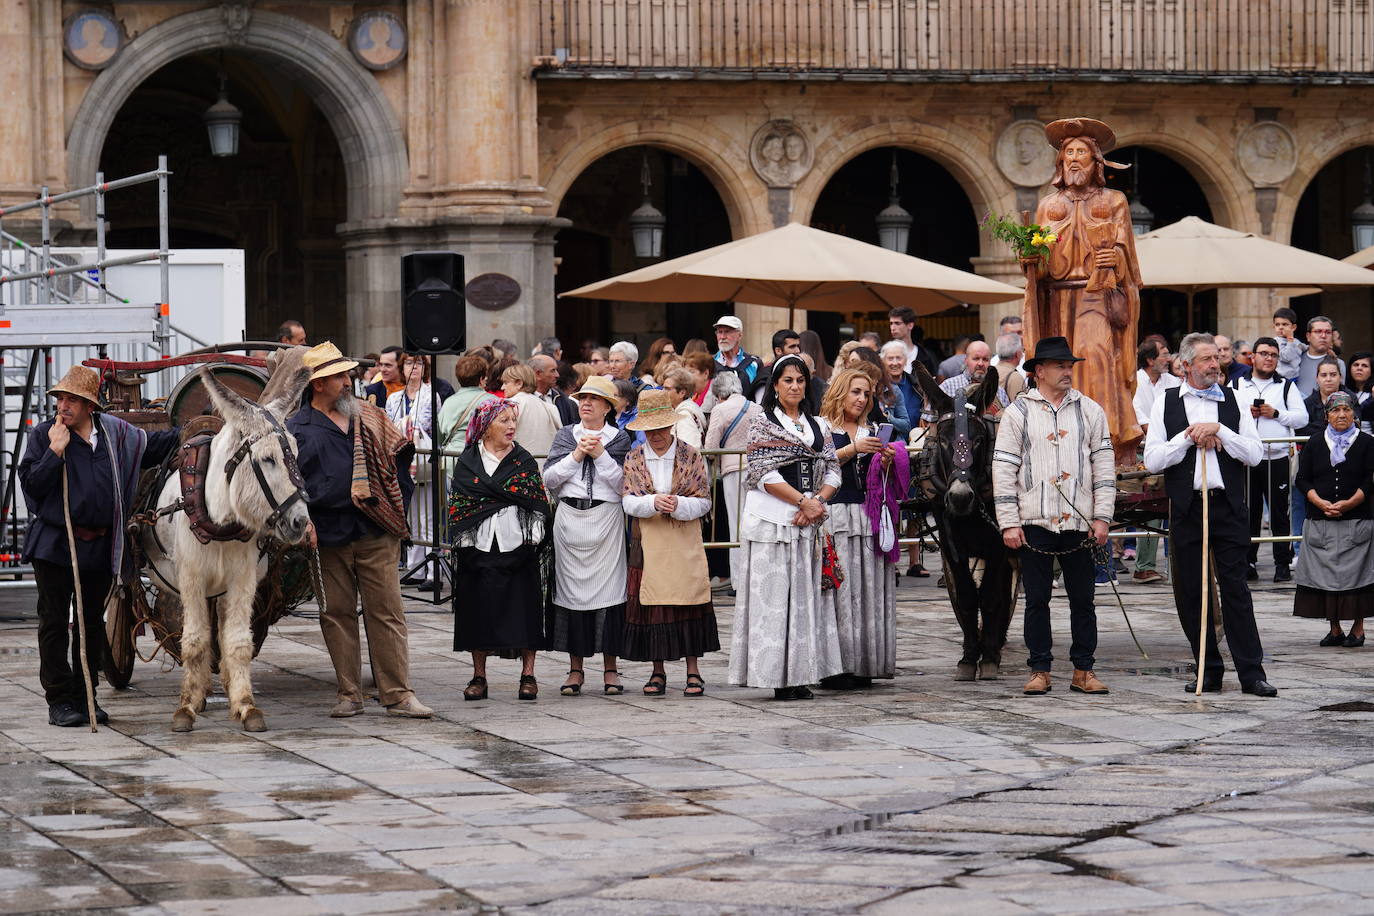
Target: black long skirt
{"points": [[498, 601], [1319, 604]]}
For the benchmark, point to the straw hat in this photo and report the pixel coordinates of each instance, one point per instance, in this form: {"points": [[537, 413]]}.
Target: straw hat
{"points": [[324, 360], [79, 381], [601, 387], [656, 411]]}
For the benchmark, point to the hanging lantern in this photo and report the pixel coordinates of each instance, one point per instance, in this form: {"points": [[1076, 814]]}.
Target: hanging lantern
{"points": [[894, 223], [1362, 218], [1142, 217], [647, 222], [222, 122]]}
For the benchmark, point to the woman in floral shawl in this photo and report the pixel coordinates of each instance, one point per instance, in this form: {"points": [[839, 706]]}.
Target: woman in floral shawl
{"points": [[503, 549], [668, 610]]}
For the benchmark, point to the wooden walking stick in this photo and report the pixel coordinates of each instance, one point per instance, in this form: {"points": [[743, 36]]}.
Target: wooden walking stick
{"points": [[1206, 564], [80, 608]]}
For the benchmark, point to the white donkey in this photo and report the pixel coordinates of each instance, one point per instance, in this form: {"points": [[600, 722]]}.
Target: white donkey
{"points": [[251, 490]]}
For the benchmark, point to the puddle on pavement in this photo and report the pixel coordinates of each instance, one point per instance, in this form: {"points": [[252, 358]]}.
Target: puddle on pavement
{"points": [[1356, 706], [318, 795]]}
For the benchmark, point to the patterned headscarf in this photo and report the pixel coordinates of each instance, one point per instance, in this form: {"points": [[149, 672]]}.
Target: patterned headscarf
{"points": [[484, 414], [1340, 399], [1340, 441]]}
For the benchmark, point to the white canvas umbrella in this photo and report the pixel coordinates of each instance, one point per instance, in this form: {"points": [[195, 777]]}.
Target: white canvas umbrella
{"points": [[796, 266]]}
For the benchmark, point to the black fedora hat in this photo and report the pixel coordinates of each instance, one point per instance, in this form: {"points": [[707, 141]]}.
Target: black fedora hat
{"points": [[1050, 348]]}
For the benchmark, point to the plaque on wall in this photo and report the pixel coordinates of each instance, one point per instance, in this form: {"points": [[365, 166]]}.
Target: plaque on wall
{"points": [[492, 292], [91, 39], [1267, 153], [1024, 156], [378, 40], [780, 153]]}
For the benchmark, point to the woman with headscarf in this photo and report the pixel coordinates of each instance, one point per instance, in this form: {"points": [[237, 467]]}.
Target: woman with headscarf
{"points": [[499, 514], [1335, 570], [866, 601], [1328, 383], [785, 635], [584, 472], [668, 610]]}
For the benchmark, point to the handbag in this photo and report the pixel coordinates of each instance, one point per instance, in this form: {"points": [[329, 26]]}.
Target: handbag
{"points": [[832, 575]]}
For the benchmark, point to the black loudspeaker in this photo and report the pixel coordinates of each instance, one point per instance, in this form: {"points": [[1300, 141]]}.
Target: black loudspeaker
{"points": [[433, 312]]}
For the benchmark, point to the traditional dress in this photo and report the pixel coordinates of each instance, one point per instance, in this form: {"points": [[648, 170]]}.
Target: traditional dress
{"points": [[1335, 570], [668, 611], [785, 635], [589, 542], [866, 601], [499, 517], [400, 406]]}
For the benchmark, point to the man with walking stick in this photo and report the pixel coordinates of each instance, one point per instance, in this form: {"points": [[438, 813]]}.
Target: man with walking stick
{"points": [[1203, 442], [94, 459]]}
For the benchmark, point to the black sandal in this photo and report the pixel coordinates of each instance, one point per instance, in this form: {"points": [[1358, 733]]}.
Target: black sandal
{"points": [[476, 689], [572, 690], [611, 690], [657, 686], [696, 686], [529, 688]]}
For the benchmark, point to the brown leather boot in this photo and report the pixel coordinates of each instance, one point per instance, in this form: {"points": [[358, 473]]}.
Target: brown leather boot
{"points": [[1038, 685], [1087, 682]]}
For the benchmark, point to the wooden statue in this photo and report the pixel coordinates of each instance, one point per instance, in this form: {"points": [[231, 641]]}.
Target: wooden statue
{"points": [[1088, 288]]}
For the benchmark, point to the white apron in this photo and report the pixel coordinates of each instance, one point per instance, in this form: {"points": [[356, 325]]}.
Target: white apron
{"points": [[589, 556]]}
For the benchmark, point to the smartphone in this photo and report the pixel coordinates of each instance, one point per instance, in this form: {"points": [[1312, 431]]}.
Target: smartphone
{"points": [[885, 434], [1259, 402]]}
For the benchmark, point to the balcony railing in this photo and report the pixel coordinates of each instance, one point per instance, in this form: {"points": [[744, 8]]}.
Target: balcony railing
{"points": [[1278, 40]]}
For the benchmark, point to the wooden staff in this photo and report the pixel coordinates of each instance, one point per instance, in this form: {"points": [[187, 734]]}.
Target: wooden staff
{"points": [[1206, 562], [80, 609]]}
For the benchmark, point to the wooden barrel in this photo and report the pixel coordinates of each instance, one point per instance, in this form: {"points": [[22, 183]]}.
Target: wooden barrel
{"points": [[190, 399]]}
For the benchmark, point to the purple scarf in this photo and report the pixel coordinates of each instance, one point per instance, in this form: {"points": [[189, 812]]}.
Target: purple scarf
{"points": [[885, 495]]}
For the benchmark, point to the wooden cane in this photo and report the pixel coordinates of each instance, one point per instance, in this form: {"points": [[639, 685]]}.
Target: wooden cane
{"points": [[1206, 562], [80, 608]]}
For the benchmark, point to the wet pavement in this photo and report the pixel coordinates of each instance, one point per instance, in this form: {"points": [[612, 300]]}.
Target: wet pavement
{"points": [[920, 794]]}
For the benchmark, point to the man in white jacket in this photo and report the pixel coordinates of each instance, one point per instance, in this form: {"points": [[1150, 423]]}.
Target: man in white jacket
{"points": [[1054, 488]]}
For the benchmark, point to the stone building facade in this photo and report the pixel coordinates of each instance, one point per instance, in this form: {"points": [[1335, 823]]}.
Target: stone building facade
{"points": [[468, 125]]}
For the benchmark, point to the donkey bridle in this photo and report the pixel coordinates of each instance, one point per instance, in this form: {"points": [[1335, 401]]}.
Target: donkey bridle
{"points": [[292, 470], [962, 446]]}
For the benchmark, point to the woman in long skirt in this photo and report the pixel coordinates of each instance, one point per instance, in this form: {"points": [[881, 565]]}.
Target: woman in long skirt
{"points": [[668, 612], [866, 601], [410, 411], [785, 635], [584, 472], [499, 518], [1335, 570]]}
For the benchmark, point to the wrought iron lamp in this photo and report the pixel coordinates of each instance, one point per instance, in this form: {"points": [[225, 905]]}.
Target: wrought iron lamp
{"points": [[894, 222], [647, 222], [222, 122], [1362, 218]]}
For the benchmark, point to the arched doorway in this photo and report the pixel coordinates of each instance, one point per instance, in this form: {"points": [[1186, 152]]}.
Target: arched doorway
{"points": [[1168, 192], [280, 198], [1324, 223], [599, 245], [944, 229]]}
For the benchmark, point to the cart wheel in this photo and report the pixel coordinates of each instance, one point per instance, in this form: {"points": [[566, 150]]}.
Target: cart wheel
{"points": [[118, 663]]}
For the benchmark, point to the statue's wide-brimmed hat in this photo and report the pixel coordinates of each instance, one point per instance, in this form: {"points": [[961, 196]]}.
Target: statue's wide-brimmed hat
{"points": [[324, 360], [1050, 348], [656, 411], [79, 381], [1065, 128]]}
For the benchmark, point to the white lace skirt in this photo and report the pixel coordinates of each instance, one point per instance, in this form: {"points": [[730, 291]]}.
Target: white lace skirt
{"points": [[865, 604]]}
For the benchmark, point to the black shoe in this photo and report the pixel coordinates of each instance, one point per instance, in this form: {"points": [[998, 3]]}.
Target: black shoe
{"points": [[1251, 572], [1353, 642], [1208, 685], [65, 715], [1332, 639], [917, 571], [412, 579], [1259, 689], [1283, 573], [101, 716], [803, 693], [792, 693]]}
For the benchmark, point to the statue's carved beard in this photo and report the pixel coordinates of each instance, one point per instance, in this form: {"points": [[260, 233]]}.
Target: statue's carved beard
{"points": [[1078, 178]]}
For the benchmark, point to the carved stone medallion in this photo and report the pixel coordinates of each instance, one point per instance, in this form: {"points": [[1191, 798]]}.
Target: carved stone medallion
{"points": [[378, 40], [1024, 155], [1267, 153], [492, 292], [780, 153], [91, 39]]}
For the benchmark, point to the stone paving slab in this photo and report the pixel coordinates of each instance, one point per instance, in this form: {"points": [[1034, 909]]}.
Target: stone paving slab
{"points": [[920, 794]]}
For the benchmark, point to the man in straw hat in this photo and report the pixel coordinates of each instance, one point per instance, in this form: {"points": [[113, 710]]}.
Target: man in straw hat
{"points": [[355, 464], [1048, 508], [101, 456], [1203, 442], [1088, 289]]}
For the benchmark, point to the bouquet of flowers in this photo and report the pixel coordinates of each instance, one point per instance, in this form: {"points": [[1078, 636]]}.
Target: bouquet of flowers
{"points": [[1032, 241]]}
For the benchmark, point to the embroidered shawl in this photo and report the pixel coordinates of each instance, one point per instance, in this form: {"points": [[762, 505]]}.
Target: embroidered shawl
{"points": [[885, 491], [689, 473], [771, 448], [375, 489], [564, 443], [474, 496]]}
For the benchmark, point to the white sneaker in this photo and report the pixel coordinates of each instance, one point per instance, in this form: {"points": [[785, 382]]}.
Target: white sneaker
{"points": [[719, 583], [411, 708]]}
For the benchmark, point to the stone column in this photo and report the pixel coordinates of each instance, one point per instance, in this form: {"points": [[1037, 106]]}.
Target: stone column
{"points": [[31, 130], [1007, 270]]}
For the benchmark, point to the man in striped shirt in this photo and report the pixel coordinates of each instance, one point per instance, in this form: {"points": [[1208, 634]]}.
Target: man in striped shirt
{"points": [[1054, 488]]}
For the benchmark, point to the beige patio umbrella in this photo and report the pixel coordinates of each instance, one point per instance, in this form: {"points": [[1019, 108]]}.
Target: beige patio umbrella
{"points": [[796, 266], [1362, 258], [1193, 255]]}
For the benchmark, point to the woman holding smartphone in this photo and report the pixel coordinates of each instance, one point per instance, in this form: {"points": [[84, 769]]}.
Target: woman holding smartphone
{"points": [[865, 602]]}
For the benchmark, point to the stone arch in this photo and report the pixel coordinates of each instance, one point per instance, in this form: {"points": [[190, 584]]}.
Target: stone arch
{"points": [[718, 155], [987, 190], [1211, 165], [1311, 161], [364, 124]]}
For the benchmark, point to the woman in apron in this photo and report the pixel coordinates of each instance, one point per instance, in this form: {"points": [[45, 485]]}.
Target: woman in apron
{"points": [[584, 473], [668, 611]]}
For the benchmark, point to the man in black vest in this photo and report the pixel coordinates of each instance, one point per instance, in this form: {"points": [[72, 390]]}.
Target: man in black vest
{"points": [[1201, 416]]}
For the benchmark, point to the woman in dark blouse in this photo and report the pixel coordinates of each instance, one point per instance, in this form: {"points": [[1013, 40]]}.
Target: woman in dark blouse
{"points": [[1335, 570]]}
